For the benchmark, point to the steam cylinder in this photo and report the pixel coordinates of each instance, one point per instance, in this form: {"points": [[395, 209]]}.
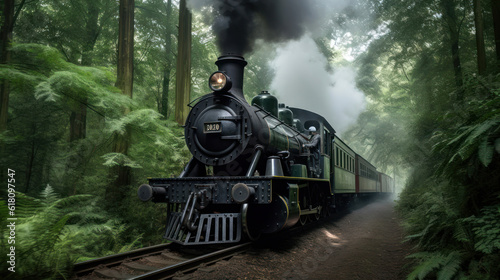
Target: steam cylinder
{"points": [[285, 114], [298, 125], [267, 102]]}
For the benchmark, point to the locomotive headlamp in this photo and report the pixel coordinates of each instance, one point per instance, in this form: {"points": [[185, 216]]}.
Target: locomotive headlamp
{"points": [[219, 81]]}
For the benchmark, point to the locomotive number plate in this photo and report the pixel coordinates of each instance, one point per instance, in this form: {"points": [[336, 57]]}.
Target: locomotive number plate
{"points": [[212, 127]]}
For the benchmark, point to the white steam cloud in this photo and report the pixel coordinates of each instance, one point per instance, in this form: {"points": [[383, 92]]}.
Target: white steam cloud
{"points": [[302, 81]]}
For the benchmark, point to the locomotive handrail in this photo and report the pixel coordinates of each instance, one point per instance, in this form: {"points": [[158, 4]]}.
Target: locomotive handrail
{"points": [[278, 125], [264, 110], [229, 118], [282, 153], [195, 100], [302, 135], [267, 114], [191, 225], [255, 160]]}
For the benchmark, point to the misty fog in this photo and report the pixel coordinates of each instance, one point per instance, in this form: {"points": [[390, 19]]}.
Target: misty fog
{"points": [[301, 80]]}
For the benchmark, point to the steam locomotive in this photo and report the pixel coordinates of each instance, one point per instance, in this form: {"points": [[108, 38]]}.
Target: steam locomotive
{"points": [[250, 173]]}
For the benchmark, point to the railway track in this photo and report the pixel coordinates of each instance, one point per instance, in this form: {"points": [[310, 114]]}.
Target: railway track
{"points": [[163, 261], [167, 261]]}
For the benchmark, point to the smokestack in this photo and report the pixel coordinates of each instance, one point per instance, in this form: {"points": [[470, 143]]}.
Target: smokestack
{"points": [[233, 66]]}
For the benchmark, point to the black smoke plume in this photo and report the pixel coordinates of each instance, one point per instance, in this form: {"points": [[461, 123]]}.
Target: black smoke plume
{"points": [[239, 23]]}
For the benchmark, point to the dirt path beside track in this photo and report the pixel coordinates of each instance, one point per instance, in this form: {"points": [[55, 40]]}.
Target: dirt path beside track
{"points": [[362, 244]]}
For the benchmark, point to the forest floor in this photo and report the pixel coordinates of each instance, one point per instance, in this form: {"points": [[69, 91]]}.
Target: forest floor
{"points": [[365, 243]]}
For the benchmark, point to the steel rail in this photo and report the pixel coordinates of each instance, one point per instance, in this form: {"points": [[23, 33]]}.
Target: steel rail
{"points": [[90, 265], [192, 264]]}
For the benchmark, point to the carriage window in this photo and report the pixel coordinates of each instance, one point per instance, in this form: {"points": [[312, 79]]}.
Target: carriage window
{"points": [[337, 156], [364, 172]]}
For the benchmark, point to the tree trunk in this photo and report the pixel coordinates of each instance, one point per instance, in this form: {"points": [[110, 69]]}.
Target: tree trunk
{"points": [[6, 37], [183, 81], [450, 17], [124, 82], [75, 168], [168, 62], [92, 32], [481, 52], [78, 117], [31, 159], [77, 123], [125, 68], [164, 94], [495, 8]]}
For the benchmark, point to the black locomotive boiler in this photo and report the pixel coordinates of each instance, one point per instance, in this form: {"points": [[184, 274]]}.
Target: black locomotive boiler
{"points": [[250, 174]]}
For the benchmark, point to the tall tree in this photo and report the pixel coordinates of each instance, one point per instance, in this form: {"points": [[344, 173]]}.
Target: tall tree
{"points": [[481, 52], [124, 82], [46, 22], [91, 30], [168, 63], [125, 69], [183, 81], [495, 8], [6, 37], [452, 22]]}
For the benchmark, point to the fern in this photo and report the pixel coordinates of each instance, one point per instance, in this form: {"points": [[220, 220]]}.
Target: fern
{"points": [[442, 266], [48, 196], [486, 151], [52, 233], [450, 266], [428, 263], [117, 159], [462, 181], [469, 139], [487, 230]]}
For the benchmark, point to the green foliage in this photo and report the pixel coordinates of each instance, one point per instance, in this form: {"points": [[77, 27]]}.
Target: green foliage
{"points": [[452, 217], [447, 135], [55, 232], [486, 230], [473, 138], [92, 40], [446, 265], [157, 144], [38, 234], [45, 90], [437, 220], [91, 86], [56, 88], [432, 220], [52, 233]]}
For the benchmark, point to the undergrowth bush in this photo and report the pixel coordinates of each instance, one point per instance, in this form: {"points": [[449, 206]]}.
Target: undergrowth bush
{"points": [[451, 204], [53, 233]]}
